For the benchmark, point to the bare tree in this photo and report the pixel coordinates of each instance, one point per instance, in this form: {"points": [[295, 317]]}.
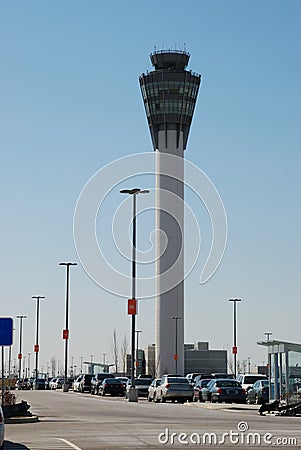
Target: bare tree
{"points": [[153, 367], [124, 352], [115, 350], [240, 366]]}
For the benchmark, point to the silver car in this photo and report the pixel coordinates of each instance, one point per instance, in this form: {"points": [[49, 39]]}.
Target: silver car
{"points": [[1, 429], [152, 389], [174, 388]]}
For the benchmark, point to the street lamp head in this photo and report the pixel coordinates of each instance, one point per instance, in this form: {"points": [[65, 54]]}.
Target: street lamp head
{"points": [[21, 317], [176, 317], [67, 264], [134, 191], [234, 300], [37, 296]]}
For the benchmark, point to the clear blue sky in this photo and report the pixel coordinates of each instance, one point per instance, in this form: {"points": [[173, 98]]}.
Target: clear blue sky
{"points": [[71, 103]]}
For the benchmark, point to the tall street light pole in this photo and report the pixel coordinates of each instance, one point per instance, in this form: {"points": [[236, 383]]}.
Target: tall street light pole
{"points": [[132, 304], [66, 330], [20, 346], [234, 348], [28, 364], [176, 318], [36, 347]]}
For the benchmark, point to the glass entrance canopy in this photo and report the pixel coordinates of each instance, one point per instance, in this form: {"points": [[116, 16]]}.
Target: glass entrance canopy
{"points": [[284, 362]]}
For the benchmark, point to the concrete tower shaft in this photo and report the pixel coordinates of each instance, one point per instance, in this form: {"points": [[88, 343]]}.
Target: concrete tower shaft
{"points": [[169, 94]]}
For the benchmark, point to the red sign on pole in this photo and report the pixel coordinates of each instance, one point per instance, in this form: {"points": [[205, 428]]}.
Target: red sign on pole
{"points": [[19, 355], [234, 350], [36, 348], [65, 334], [175, 357], [132, 306]]}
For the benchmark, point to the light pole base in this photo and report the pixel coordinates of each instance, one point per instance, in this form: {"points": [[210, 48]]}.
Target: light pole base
{"points": [[132, 394], [65, 387]]}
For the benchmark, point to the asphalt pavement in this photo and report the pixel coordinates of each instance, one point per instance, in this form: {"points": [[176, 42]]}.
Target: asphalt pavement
{"points": [[85, 422]]}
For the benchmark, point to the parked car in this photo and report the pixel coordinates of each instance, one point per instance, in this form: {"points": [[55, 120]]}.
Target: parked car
{"points": [[85, 383], [224, 390], [152, 389], [70, 382], [57, 383], [2, 429], [23, 384], [197, 388], [38, 383], [123, 380], [111, 386], [52, 383], [248, 379], [144, 375], [174, 388], [76, 383], [47, 382], [142, 385], [97, 379], [259, 392]]}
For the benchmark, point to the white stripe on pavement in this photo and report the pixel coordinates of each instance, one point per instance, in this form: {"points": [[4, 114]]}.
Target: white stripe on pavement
{"points": [[69, 443]]}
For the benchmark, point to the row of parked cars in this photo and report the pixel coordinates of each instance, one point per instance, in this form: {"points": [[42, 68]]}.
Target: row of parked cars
{"points": [[106, 383], [250, 388], [194, 387], [42, 383]]}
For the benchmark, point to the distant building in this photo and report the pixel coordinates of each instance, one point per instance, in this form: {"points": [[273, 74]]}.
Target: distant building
{"points": [[139, 363], [197, 358], [263, 370], [201, 359]]}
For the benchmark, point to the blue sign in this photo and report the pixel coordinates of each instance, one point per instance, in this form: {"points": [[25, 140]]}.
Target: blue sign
{"points": [[6, 331]]}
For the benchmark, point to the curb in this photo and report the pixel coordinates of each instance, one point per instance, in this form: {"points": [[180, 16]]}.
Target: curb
{"points": [[238, 407], [31, 419]]}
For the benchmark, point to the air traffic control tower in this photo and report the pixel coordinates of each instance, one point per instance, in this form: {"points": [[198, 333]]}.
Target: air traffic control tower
{"points": [[169, 94]]}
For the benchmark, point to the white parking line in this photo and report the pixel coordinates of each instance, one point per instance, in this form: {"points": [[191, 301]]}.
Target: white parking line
{"points": [[69, 443]]}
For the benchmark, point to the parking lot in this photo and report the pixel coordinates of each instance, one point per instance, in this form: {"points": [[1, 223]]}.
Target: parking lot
{"points": [[86, 422]]}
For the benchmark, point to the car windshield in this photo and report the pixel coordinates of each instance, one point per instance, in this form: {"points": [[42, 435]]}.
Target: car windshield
{"points": [[178, 380], [143, 382], [111, 381], [227, 383], [251, 379]]}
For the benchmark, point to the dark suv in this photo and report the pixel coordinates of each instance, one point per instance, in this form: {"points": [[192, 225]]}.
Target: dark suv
{"points": [[97, 380], [85, 383]]}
